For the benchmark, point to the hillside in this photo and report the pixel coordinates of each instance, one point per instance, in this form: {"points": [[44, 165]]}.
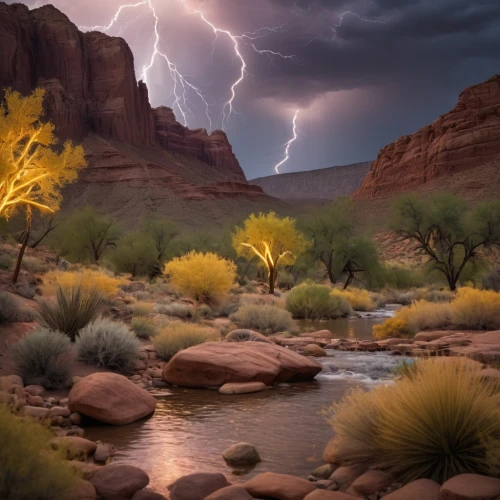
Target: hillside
{"points": [[320, 184], [140, 159]]}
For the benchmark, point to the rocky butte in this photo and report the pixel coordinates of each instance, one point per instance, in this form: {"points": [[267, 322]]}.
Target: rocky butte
{"points": [[465, 138], [92, 95]]}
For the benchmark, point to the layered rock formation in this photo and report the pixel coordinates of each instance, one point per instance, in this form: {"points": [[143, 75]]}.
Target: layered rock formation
{"points": [[321, 184], [91, 89], [466, 137]]}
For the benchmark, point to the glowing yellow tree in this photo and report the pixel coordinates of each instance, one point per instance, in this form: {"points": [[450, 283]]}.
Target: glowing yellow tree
{"points": [[276, 241], [32, 171]]}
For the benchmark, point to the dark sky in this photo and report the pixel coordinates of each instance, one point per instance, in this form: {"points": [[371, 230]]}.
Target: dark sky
{"points": [[364, 72]]}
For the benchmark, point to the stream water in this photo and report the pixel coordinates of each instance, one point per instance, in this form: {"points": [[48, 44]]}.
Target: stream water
{"points": [[190, 428]]}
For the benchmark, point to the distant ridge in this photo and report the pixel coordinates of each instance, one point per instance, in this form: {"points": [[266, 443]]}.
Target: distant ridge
{"points": [[321, 184]]}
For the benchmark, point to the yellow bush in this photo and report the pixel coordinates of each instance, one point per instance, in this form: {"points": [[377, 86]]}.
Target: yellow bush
{"points": [[86, 278], [392, 327], [201, 276], [359, 299], [178, 336], [441, 421], [476, 309]]}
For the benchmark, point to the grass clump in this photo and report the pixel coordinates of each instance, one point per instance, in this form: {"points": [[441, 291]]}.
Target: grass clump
{"points": [[176, 309], [141, 308], [109, 344], [144, 328], [42, 358], [311, 301], [202, 276], [359, 299], [393, 328], [11, 311], [29, 471], [264, 318], [441, 421], [73, 309], [476, 309], [178, 336]]}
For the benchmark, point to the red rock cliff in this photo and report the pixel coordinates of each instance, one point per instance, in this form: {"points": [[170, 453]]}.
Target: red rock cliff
{"points": [[91, 87], [464, 138]]}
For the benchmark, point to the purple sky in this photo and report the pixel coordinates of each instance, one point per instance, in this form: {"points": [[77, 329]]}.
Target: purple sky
{"points": [[364, 72]]}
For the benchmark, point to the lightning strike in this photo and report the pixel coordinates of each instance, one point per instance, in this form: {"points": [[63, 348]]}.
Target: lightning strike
{"points": [[350, 13], [289, 143]]}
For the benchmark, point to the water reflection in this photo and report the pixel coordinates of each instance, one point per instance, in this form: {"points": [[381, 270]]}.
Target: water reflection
{"points": [[344, 328]]}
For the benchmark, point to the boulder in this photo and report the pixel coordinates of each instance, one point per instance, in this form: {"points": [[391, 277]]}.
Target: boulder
{"points": [[331, 495], [35, 401], [76, 448], [34, 390], [242, 388], [16, 380], [314, 350], [59, 411], [323, 471], [244, 335], [35, 411], [118, 481], [416, 490], [218, 363], [197, 486], [6, 384], [102, 453], [346, 475], [241, 454], [279, 486], [83, 490], [372, 481], [230, 493], [148, 495], [320, 334], [471, 487], [111, 399]]}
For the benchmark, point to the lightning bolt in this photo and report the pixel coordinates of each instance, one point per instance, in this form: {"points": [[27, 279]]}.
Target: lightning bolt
{"points": [[181, 85], [350, 13], [289, 143]]}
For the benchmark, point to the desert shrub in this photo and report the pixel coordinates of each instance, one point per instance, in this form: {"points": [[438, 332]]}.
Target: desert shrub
{"points": [[311, 301], [476, 309], [42, 358], [178, 336], [396, 296], [203, 311], [437, 423], [134, 254], [97, 279], [491, 281], [11, 311], [243, 335], [6, 262], [33, 265], [141, 308], [359, 299], [175, 309], [285, 279], [434, 295], [406, 369], [28, 470], [141, 295], [266, 319], [423, 315], [143, 327], [228, 305], [392, 327], [202, 276], [73, 309], [109, 344]]}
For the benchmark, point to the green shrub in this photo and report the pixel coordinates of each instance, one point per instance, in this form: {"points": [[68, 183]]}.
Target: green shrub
{"points": [[33, 265], [311, 301], [228, 306], [476, 309], [42, 358], [203, 311], [441, 421], [6, 262], [359, 299], [143, 327], [141, 308], [28, 470], [74, 309], [175, 309], [178, 336], [266, 319], [11, 311], [109, 344]]}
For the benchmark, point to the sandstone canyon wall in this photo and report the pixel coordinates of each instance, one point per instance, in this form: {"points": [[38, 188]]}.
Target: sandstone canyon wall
{"points": [[466, 137]]}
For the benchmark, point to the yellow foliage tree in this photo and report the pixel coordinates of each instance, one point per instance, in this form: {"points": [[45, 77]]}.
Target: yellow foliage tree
{"points": [[201, 275], [276, 241], [32, 171]]}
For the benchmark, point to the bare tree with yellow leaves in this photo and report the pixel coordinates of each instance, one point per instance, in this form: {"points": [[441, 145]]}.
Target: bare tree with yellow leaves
{"points": [[274, 240], [32, 169]]}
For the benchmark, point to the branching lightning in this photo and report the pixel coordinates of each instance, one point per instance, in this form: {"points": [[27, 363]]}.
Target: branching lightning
{"points": [[181, 85], [289, 143], [350, 13]]}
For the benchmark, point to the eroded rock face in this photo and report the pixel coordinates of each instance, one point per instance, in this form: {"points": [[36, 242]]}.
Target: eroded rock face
{"points": [[214, 364], [466, 137]]}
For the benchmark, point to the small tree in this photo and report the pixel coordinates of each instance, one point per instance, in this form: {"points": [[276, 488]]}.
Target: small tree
{"points": [[274, 240], [86, 235], [135, 254], [448, 231], [161, 233], [32, 171]]}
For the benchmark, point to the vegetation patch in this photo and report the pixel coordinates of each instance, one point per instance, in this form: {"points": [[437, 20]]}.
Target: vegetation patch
{"points": [[144, 328], [264, 318]]}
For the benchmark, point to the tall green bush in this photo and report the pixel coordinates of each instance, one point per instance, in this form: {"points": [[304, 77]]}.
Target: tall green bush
{"points": [[264, 318]]}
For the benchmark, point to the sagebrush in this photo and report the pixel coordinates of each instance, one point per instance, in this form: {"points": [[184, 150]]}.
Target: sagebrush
{"points": [[264, 318], [143, 327], [11, 311]]}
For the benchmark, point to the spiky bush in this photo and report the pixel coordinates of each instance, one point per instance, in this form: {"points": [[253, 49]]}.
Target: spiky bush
{"points": [[264, 318], [441, 421], [311, 301], [109, 344], [73, 309], [178, 336], [28, 470], [42, 358], [176, 309], [476, 309], [11, 311], [144, 328], [202, 276], [359, 299]]}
